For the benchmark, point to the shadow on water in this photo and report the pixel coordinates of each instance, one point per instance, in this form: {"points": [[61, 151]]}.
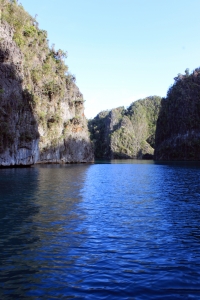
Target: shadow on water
{"points": [[184, 164], [37, 218], [123, 161], [17, 188]]}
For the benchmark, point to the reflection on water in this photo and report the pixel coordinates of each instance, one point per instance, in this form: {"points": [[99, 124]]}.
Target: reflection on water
{"points": [[102, 231], [38, 225]]}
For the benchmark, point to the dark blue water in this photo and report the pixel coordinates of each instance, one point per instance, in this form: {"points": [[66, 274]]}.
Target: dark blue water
{"points": [[102, 231]]}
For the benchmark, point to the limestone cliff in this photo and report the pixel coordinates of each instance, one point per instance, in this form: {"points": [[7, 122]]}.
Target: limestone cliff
{"points": [[41, 108], [178, 127], [126, 133]]}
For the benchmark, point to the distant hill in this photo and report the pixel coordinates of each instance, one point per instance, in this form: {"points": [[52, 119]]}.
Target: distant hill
{"points": [[178, 125], [126, 133]]}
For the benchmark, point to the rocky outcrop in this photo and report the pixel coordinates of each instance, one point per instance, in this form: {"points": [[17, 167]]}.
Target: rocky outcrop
{"points": [[41, 109], [178, 127], [75, 147], [126, 133]]}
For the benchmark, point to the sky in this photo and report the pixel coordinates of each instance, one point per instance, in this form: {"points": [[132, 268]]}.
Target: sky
{"points": [[122, 50]]}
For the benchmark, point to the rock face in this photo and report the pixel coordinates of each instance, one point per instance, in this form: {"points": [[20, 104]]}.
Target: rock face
{"points": [[41, 109], [178, 127], [126, 133], [19, 134]]}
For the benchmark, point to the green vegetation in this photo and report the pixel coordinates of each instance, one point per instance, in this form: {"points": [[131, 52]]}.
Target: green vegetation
{"points": [[126, 133], [39, 60], [178, 127]]}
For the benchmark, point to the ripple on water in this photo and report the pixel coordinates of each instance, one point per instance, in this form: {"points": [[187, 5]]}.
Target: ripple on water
{"points": [[102, 231]]}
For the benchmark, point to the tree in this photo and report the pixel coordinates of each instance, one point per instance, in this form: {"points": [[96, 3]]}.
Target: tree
{"points": [[187, 72]]}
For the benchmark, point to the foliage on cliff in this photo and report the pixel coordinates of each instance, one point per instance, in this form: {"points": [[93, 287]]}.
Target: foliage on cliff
{"points": [[178, 126], [40, 80], [39, 60], [126, 133]]}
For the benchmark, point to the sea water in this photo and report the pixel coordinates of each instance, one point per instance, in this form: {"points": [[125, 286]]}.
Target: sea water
{"points": [[111, 230]]}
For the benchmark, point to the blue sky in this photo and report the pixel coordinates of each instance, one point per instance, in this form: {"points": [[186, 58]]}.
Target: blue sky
{"points": [[122, 50]]}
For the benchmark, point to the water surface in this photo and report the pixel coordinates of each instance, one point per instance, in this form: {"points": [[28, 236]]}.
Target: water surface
{"points": [[128, 230]]}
